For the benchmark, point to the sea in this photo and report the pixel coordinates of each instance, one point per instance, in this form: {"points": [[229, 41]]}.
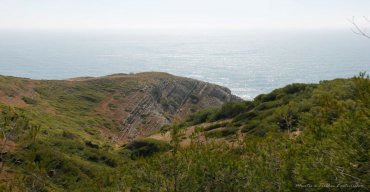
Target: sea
{"points": [[248, 63]]}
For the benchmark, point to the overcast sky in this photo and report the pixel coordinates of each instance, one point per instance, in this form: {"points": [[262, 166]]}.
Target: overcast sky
{"points": [[179, 14]]}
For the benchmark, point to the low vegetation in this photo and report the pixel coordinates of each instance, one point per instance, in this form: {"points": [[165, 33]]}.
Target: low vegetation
{"points": [[145, 148], [295, 137]]}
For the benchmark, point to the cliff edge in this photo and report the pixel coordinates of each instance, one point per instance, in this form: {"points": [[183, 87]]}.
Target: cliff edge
{"points": [[119, 106]]}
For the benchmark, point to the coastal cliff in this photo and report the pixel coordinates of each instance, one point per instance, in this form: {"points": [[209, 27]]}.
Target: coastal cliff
{"points": [[119, 106]]}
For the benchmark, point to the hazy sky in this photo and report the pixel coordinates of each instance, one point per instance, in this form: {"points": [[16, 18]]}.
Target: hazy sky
{"points": [[179, 14]]}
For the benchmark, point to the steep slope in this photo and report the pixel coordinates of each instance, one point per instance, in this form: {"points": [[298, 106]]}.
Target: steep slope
{"points": [[119, 106], [302, 137], [69, 131], [282, 110]]}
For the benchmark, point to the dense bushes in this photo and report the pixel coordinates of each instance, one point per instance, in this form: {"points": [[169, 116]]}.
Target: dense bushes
{"points": [[226, 111], [282, 108], [201, 116], [249, 126], [215, 126], [146, 147], [29, 100], [231, 109], [224, 132]]}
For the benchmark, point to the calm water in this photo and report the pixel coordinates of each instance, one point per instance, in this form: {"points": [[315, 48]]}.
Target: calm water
{"points": [[248, 63]]}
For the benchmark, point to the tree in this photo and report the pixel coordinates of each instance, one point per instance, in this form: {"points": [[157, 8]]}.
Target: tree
{"points": [[176, 137], [287, 118], [357, 29]]}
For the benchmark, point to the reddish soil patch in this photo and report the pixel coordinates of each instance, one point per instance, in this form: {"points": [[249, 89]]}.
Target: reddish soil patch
{"points": [[9, 145], [16, 101]]}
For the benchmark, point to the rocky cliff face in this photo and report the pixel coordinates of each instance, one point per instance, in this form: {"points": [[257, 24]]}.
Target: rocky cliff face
{"points": [[132, 105], [168, 100]]}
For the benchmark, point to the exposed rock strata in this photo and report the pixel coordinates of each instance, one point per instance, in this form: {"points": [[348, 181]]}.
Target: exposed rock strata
{"points": [[169, 100], [133, 104]]}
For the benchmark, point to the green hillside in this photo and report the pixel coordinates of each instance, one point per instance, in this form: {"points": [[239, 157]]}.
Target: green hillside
{"points": [[302, 137]]}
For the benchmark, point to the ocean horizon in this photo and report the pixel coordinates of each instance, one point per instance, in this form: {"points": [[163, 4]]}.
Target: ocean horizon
{"points": [[248, 63]]}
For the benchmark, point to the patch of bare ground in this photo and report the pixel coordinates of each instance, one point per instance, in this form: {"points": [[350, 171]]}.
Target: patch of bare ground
{"points": [[24, 89], [113, 136], [295, 134], [6, 174], [9, 146], [15, 101]]}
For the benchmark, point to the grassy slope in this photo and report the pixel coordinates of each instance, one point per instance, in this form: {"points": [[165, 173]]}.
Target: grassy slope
{"points": [[70, 137], [269, 112], [333, 118], [66, 111]]}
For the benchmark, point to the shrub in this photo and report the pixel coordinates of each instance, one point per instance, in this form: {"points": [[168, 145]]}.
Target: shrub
{"points": [[262, 106], [29, 100], [269, 97], [92, 145], [260, 132], [194, 99], [146, 147], [201, 116], [294, 88], [213, 126], [68, 135], [231, 109], [248, 127], [112, 106], [89, 98], [222, 132], [245, 116]]}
